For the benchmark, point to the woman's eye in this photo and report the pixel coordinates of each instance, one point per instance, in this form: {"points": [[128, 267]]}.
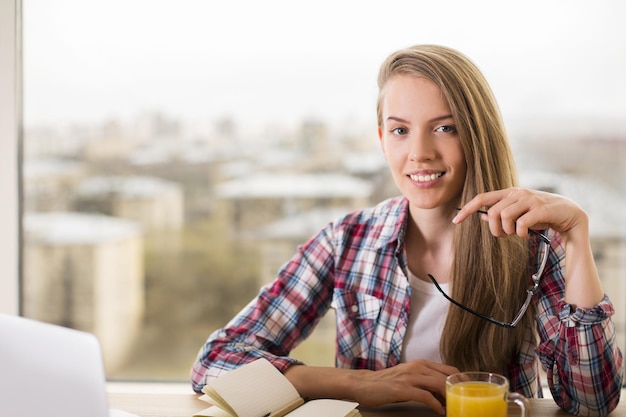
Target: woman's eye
{"points": [[399, 131], [446, 129]]}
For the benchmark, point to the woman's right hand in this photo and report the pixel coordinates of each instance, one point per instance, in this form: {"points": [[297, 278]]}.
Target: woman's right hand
{"points": [[421, 381]]}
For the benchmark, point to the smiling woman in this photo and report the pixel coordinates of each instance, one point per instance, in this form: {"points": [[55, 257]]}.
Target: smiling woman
{"points": [[210, 129], [439, 123]]}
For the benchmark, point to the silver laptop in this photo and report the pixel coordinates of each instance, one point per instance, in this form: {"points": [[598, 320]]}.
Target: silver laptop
{"points": [[48, 370]]}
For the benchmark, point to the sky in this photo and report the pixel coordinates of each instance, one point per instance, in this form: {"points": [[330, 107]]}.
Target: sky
{"points": [[281, 61]]}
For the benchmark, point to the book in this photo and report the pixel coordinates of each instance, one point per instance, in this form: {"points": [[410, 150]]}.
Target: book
{"points": [[258, 389]]}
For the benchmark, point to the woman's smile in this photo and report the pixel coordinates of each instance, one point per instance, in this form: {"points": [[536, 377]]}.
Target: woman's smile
{"points": [[424, 178]]}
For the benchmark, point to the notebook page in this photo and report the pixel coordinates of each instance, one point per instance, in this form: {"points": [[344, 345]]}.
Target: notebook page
{"points": [[255, 389], [212, 411], [326, 408]]}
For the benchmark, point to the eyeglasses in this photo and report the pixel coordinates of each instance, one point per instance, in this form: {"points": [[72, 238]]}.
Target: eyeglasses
{"points": [[530, 292]]}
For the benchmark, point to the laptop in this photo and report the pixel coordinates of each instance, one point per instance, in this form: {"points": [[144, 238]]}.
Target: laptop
{"points": [[49, 370]]}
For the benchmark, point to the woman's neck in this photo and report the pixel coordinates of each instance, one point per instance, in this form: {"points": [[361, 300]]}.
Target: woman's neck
{"points": [[429, 243], [433, 226]]}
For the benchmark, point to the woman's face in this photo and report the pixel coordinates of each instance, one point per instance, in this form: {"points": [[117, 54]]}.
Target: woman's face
{"points": [[420, 142]]}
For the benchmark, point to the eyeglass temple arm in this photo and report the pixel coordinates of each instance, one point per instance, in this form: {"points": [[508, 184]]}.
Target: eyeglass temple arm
{"points": [[533, 290], [469, 310]]}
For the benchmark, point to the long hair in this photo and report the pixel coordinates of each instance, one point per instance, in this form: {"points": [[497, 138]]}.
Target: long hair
{"points": [[489, 274]]}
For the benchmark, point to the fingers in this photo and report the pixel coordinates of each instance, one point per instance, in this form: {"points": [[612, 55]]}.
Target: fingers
{"points": [[427, 382], [422, 381], [427, 398], [430, 385], [511, 211]]}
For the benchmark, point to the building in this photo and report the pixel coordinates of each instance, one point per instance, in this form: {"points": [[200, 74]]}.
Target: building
{"points": [[154, 203], [85, 271], [49, 183], [252, 201]]}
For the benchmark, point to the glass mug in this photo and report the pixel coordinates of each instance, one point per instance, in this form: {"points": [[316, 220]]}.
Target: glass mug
{"points": [[472, 394]]}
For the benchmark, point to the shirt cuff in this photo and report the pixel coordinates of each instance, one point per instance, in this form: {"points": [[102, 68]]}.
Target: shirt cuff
{"points": [[596, 314]]}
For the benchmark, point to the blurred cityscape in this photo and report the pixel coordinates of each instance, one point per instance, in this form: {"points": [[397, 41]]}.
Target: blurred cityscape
{"points": [[152, 233]]}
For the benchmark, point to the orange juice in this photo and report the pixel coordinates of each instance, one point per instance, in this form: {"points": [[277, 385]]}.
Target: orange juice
{"points": [[476, 399]]}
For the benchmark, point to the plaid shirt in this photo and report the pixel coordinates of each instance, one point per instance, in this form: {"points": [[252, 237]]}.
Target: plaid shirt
{"points": [[357, 266]]}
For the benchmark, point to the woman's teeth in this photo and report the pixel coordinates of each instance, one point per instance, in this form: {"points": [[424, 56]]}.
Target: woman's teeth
{"points": [[426, 178]]}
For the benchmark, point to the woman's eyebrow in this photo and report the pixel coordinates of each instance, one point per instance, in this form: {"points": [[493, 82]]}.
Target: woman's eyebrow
{"points": [[440, 118], [434, 119], [396, 119]]}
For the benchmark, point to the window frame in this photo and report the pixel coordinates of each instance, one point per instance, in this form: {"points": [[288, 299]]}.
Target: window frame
{"points": [[10, 155]]}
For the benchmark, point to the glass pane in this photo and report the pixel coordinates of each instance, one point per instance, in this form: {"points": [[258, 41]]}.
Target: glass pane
{"points": [[177, 152]]}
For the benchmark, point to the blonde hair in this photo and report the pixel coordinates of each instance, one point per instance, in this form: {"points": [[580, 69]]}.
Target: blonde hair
{"points": [[489, 275]]}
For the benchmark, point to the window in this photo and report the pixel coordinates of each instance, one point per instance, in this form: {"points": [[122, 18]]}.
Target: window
{"points": [[176, 152], [10, 119]]}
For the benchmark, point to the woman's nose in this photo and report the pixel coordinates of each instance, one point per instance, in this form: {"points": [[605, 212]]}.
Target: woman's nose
{"points": [[421, 149]]}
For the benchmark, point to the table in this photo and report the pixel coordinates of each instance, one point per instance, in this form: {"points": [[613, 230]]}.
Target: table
{"points": [[185, 405]]}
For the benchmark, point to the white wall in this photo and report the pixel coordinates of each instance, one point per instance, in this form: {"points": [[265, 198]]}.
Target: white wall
{"points": [[10, 115]]}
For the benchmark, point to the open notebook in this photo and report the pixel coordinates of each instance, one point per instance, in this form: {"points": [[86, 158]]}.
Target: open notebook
{"points": [[259, 389], [52, 371]]}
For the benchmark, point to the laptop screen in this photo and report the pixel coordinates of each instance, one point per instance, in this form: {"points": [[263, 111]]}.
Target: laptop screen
{"points": [[49, 370]]}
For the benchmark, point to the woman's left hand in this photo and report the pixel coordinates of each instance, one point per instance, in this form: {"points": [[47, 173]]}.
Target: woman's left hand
{"points": [[515, 210]]}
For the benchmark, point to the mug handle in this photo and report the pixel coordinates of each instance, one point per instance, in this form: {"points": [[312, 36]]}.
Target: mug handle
{"points": [[519, 400]]}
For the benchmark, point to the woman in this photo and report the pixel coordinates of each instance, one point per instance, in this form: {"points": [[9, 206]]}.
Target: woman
{"points": [[429, 283]]}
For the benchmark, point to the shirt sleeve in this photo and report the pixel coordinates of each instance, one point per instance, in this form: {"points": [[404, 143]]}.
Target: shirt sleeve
{"points": [[577, 348], [283, 314]]}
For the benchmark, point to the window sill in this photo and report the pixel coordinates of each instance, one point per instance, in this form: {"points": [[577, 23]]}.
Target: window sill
{"points": [[119, 387]]}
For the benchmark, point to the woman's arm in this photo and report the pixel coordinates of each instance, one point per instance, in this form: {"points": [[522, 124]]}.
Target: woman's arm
{"points": [[582, 282], [421, 381], [283, 314], [577, 347]]}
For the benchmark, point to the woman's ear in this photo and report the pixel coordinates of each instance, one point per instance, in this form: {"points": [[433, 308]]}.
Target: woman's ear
{"points": [[382, 143]]}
